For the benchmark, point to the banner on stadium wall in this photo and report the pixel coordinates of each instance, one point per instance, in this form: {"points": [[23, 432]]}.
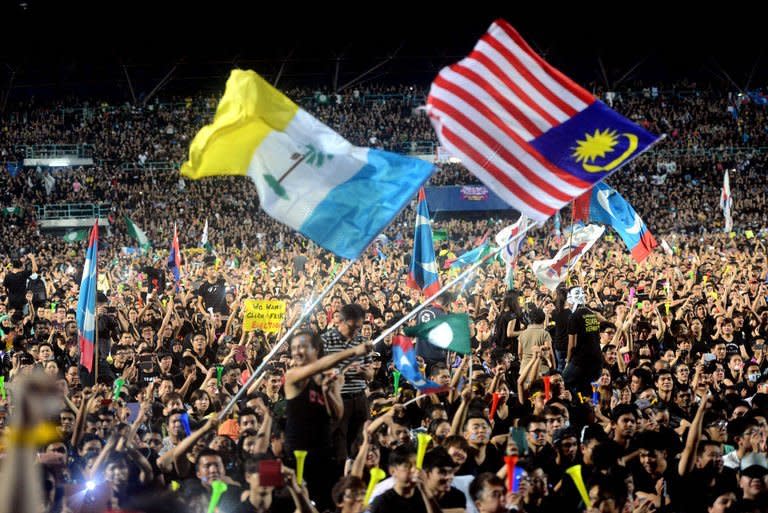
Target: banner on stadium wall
{"points": [[263, 314], [474, 193], [455, 198]]}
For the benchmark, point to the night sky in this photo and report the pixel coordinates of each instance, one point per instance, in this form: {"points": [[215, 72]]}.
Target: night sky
{"points": [[74, 47]]}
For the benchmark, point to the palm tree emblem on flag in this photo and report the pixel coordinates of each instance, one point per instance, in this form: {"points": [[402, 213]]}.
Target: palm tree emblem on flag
{"points": [[313, 157]]}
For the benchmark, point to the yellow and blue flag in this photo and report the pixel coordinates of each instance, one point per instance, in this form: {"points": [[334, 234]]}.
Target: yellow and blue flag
{"points": [[307, 176]]}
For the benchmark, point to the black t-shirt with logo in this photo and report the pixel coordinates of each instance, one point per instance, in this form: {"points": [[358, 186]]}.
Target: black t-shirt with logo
{"points": [[430, 352], [586, 326], [214, 296]]}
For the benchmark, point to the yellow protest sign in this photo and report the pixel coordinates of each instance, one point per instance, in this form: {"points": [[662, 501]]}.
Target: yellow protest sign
{"points": [[263, 314]]}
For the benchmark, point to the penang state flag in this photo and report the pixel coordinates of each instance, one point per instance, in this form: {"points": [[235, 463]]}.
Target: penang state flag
{"points": [[174, 256], [551, 272], [307, 176], [404, 358], [531, 134], [86, 303], [606, 206], [423, 272]]}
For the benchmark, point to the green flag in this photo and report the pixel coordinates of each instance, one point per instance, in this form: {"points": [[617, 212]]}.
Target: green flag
{"points": [[10, 211], [138, 234], [449, 332], [439, 235], [76, 235]]}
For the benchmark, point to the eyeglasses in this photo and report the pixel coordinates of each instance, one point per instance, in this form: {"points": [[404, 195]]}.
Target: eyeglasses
{"points": [[351, 496], [537, 431]]}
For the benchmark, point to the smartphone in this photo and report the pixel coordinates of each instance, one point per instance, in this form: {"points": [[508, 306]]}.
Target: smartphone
{"points": [[133, 411], [708, 357], [147, 363], [642, 404], [240, 354], [271, 473], [518, 435]]}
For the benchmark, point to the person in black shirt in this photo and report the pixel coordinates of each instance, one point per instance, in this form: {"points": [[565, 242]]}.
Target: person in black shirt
{"points": [[15, 282], [430, 352], [439, 470], [407, 495], [212, 294], [313, 401], [584, 360]]}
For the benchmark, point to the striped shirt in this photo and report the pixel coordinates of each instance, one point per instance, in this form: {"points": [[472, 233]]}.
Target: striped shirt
{"points": [[334, 342]]}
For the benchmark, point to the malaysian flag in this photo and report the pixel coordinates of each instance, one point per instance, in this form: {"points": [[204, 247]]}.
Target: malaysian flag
{"points": [[531, 134], [86, 303]]}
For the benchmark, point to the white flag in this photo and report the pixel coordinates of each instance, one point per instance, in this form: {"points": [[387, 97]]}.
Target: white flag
{"points": [[204, 238], [552, 271], [726, 202], [509, 253]]}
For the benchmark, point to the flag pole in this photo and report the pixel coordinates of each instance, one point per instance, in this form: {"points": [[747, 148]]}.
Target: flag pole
{"points": [[279, 344], [96, 344], [469, 270]]}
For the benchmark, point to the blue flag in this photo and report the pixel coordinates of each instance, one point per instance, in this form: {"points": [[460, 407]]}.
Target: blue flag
{"points": [[404, 358], [423, 272], [471, 256], [13, 168], [606, 206]]}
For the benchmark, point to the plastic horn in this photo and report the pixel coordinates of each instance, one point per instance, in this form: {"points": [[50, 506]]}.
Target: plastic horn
{"points": [[118, 386], [423, 442], [595, 393], [547, 388], [511, 463], [2, 386], [575, 473], [185, 423], [494, 405], [376, 475], [217, 490], [396, 381], [301, 456], [631, 296], [219, 372]]}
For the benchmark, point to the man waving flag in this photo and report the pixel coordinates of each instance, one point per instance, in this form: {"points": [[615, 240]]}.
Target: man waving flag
{"points": [[86, 303], [531, 134]]}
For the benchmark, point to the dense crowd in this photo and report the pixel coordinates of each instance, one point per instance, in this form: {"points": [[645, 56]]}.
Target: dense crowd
{"points": [[652, 376]]}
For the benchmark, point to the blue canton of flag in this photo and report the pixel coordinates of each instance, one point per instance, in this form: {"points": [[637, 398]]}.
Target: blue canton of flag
{"points": [[404, 358], [423, 272]]}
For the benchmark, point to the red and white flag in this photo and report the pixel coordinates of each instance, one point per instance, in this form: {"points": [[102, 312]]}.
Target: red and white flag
{"points": [[554, 270], [528, 132]]}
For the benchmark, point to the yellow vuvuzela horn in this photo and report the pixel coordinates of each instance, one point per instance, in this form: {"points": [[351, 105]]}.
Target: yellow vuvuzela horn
{"points": [[575, 473], [301, 456], [423, 442], [376, 475]]}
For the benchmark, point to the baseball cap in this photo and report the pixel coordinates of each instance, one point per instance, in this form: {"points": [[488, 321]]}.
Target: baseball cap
{"points": [[754, 465]]}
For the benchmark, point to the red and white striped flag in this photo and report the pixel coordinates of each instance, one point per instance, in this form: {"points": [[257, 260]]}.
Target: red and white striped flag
{"points": [[531, 134]]}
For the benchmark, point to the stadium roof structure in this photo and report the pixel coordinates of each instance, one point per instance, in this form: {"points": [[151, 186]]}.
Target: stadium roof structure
{"points": [[130, 49]]}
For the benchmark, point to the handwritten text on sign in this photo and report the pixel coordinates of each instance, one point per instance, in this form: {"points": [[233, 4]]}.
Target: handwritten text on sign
{"points": [[263, 314]]}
